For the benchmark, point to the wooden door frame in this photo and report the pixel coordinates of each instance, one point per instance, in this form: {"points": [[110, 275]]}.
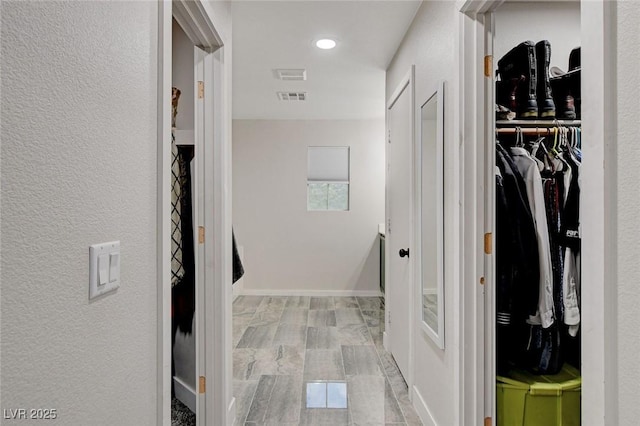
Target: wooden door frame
{"points": [[599, 342], [217, 402], [406, 83]]}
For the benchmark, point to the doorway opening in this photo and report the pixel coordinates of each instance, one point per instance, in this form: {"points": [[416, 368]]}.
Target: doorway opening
{"points": [[191, 297], [309, 209]]}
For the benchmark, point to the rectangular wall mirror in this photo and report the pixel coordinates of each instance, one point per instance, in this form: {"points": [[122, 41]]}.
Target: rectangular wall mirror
{"points": [[430, 152]]}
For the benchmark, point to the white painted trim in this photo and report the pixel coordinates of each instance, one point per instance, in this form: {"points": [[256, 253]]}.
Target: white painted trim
{"points": [[422, 409], [218, 243], [195, 20], [163, 268], [474, 397], [199, 213], [313, 293], [185, 393], [598, 215], [473, 7]]}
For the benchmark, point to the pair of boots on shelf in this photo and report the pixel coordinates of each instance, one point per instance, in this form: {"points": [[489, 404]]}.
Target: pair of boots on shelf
{"points": [[525, 86]]}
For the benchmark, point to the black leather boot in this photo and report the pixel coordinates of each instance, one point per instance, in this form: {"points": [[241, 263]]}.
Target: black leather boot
{"points": [[546, 106], [519, 66], [563, 94]]}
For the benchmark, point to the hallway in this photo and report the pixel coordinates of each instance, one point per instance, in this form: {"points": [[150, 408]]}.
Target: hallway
{"points": [[282, 344]]}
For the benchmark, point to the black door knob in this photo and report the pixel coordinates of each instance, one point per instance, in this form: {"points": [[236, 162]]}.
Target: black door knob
{"points": [[404, 253]]}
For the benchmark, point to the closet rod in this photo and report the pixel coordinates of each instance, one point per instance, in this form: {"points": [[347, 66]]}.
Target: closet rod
{"points": [[547, 131], [538, 123]]}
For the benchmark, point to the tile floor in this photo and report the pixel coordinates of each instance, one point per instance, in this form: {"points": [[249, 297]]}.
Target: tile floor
{"points": [[302, 360]]}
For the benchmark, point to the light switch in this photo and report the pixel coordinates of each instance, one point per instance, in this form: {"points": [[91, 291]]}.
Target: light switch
{"points": [[114, 267], [104, 268]]}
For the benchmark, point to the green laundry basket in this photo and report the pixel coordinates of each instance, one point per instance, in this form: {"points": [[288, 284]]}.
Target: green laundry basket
{"points": [[525, 399]]}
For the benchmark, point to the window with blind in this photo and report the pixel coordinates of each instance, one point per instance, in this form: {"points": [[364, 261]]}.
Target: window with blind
{"points": [[328, 178]]}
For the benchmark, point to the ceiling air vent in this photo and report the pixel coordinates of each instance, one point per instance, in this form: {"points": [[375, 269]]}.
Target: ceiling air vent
{"points": [[291, 74], [292, 96]]}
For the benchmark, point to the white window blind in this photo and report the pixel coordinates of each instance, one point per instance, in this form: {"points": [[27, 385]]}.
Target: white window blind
{"points": [[328, 164]]}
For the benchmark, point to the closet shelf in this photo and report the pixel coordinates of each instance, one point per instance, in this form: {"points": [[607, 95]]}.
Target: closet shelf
{"points": [[538, 123], [184, 137]]}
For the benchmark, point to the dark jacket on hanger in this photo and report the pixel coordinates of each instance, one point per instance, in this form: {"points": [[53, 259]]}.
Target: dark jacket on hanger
{"points": [[516, 261]]}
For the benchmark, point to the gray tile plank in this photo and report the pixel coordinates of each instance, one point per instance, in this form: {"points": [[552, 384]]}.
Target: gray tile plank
{"points": [[250, 364], [257, 337], [322, 303], [355, 334], [246, 304], [345, 302], [366, 399], [290, 335], [243, 391], [373, 318], [296, 316], [322, 338], [370, 303], [392, 411], [266, 317], [348, 317], [361, 360], [297, 302], [324, 416], [323, 364], [272, 303], [285, 402], [258, 410], [322, 318]]}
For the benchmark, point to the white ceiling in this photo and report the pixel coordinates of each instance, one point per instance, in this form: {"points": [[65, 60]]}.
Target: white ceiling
{"points": [[347, 82]]}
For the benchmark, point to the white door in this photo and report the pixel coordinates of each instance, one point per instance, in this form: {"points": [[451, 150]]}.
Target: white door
{"points": [[399, 189]]}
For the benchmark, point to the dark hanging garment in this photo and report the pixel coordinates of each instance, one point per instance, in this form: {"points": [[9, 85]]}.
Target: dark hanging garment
{"points": [[238, 269], [184, 292], [517, 264]]}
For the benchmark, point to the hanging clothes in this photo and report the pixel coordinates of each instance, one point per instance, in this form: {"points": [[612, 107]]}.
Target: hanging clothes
{"points": [[547, 183], [183, 292]]}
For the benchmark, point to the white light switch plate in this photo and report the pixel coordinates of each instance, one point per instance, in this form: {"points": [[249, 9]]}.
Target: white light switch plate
{"points": [[113, 271]]}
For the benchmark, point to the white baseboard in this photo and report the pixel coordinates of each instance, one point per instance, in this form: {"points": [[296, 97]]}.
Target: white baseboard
{"points": [[185, 393], [231, 412], [421, 408], [316, 293]]}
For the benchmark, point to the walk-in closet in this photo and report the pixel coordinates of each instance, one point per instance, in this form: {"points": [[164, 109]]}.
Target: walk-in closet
{"points": [[536, 324]]}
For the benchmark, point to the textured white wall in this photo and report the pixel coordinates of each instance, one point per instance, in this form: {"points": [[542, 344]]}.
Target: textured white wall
{"points": [[287, 247], [183, 76], [628, 199], [556, 21], [78, 160], [430, 45]]}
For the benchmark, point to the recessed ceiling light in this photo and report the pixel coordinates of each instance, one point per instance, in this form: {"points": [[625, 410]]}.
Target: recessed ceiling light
{"points": [[326, 43]]}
